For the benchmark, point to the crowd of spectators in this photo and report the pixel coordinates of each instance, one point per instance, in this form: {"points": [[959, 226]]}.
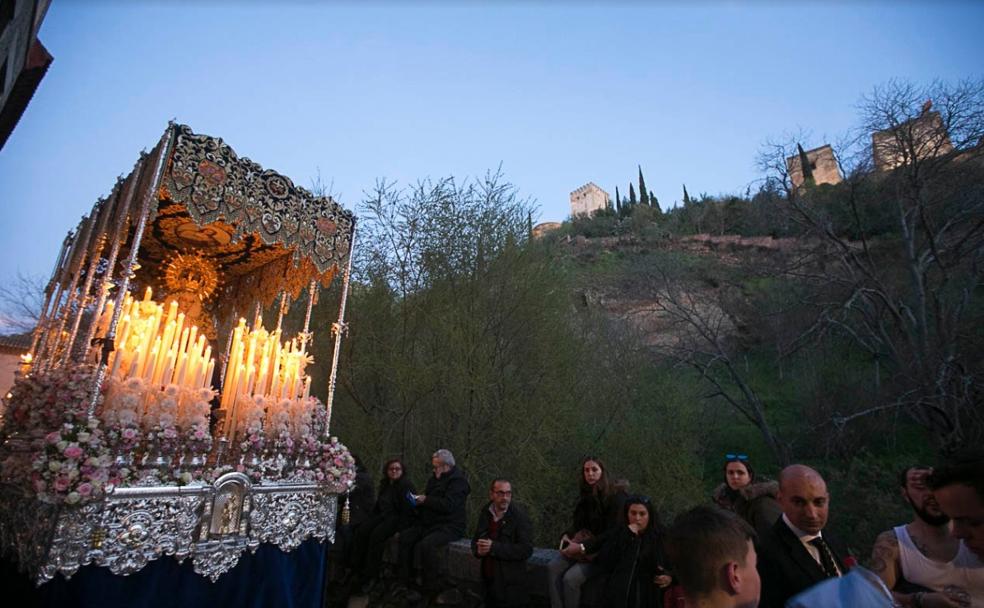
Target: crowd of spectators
{"points": [[759, 543]]}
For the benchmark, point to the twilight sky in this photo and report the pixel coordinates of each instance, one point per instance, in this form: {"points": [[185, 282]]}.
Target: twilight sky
{"points": [[559, 93]]}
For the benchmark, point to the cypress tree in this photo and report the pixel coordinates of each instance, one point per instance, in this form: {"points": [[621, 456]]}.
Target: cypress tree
{"points": [[686, 197], [643, 193], [632, 196], [618, 201], [808, 180], [654, 203]]}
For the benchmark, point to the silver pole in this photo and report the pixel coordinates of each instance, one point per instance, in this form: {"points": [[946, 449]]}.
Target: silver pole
{"points": [[338, 329], [119, 236], [76, 266], [284, 304], [312, 293], [105, 209], [50, 289], [128, 273]]}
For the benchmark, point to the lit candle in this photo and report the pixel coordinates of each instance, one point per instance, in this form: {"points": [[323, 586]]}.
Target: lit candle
{"points": [[208, 374]]}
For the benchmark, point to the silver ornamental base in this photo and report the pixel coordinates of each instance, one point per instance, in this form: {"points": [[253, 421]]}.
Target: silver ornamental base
{"points": [[212, 524]]}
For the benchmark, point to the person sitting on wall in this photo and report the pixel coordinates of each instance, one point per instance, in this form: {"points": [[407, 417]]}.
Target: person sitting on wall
{"points": [[439, 519], [391, 514], [632, 558], [503, 541]]}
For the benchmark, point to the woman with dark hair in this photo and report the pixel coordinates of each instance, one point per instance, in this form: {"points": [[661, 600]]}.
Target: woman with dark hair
{"points": [[595, 513], [391, 513], [633, 560], [751, 498]]}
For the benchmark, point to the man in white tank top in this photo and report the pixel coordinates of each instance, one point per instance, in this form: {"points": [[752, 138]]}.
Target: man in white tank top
{"points": [[921, 561]]}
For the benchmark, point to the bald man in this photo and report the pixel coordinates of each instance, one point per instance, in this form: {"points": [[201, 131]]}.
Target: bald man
{"points": [[795, 554]]}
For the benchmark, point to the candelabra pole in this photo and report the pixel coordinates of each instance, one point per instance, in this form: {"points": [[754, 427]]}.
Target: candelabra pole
{"points": [[338, 329], [150, 195], [284, 304], [312, 294]]}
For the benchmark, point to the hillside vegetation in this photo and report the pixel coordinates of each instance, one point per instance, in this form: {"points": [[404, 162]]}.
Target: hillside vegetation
{"points": [[834, 325]]}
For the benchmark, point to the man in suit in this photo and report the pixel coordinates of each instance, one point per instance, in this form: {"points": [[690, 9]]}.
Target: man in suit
{"points": [[503, 541], [795, 554]]}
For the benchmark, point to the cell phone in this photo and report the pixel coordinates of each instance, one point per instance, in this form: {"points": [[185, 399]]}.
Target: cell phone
{"points": [[411, 499]]}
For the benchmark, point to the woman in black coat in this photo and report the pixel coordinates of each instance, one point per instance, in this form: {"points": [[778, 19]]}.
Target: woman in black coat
{"points": [[391, 513], [594, 515], [632, 558]]}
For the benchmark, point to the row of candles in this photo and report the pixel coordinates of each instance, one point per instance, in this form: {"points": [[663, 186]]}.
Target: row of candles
{"points": [[162, 348], [159, 347], [259, 364]]}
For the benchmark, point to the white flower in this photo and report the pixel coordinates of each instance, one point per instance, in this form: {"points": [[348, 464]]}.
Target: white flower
{"points": [[72, 498], [54, 466]]}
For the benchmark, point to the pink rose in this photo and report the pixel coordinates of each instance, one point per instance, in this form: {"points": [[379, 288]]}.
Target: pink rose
{"points": [[61, 483], [84, 489], [74, 452], [129, 434], [53, 437]]}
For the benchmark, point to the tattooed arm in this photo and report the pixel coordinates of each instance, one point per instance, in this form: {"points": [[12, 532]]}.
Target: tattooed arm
{"points": [[885, 558], [885, 563]]}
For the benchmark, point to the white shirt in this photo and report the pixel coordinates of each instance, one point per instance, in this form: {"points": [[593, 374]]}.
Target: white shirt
{"points": [[962, 577], [805, 538]]}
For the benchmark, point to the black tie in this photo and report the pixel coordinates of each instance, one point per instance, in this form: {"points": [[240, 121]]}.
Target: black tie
{"points": [[826, 557]]}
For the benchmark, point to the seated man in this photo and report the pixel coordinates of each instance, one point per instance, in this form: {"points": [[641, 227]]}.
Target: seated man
{"points": [[920, 561], [713, 556], [503, 541], [440, 519]]}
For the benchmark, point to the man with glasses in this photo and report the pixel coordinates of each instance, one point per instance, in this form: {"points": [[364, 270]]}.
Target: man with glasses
{"points": [[440, 518], [503, 541]]}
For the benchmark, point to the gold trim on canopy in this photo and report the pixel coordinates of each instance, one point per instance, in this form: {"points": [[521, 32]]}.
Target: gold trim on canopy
{"points": [[213, 183]]}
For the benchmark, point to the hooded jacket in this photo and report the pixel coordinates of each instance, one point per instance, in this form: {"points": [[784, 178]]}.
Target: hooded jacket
{"points": [[755, 503]]}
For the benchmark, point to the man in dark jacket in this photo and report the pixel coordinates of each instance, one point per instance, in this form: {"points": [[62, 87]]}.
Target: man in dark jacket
{"points": [[440, 519], [503, 541], [796, 553]]}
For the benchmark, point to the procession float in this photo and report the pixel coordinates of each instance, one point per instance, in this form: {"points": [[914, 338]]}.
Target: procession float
{"points": [[164, 410]]}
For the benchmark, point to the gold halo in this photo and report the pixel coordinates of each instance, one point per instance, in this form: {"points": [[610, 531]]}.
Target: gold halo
{"points": [[191, 272]]}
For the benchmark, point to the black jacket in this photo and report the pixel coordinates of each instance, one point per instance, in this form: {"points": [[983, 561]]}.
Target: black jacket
{"points": [[596, 514], [360, 500], [392, 501], [508, 555], [445, 503], [631, 562], [786, 567]]}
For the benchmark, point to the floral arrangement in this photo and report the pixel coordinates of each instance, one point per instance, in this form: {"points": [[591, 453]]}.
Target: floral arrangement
{"points": [[46, 400], [335, 466], [69, 461], [66, 458], [75, 465], [122, 413]]}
